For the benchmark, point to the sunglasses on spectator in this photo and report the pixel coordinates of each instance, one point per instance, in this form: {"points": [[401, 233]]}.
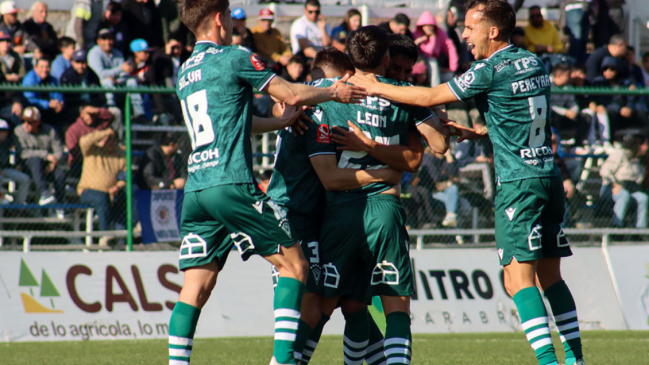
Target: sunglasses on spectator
{"points": [[534, 16], [316, 12]]}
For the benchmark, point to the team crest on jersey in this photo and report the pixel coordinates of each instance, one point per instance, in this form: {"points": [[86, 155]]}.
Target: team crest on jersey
{"points": [[256, 63], [324, 134]]}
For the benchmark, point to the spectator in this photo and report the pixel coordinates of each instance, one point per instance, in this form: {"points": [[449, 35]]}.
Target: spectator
{"points": [[114, 22], [635, 72], [90, 119], [162, 167], [339, 40], [442, 170], [454, 33], [85, 17], [617, 48], [63, 61], [80, 75], [10, 25], [107, 62], [294, 71], [541, 36], [623, 111], [568, 185], [38, 32], [41, 153], [11, 64], [623, 174], [145, 17], [239, 23], [437, 49], [609, 20], [102, 179], [575, 24], [403, 55], [518, 37], [398, 25], [566, 116], [269, 41], [49, 103], [172, 27], [645, 68], [351, 21], [8, 170], [310, 32], [600, 130], [139, 75], [164, 72]]}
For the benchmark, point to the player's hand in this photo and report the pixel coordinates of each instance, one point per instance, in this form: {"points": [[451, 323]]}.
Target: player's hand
{"points": [[349, 94], [17, 109], [322, 23], [616, 188], [571, 114], [463, 132], [352, 140], [626, 112], [569, 187], [368, 82], [294, 117]]}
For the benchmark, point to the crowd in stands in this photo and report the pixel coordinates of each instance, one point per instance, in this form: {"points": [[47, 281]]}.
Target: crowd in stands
{"points": [[72, 140]]}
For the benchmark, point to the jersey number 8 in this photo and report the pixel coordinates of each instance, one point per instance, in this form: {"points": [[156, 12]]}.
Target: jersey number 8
{"points": [[538, 111], [198, 122]]}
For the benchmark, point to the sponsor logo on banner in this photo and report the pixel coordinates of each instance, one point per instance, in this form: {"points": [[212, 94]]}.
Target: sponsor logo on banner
{"points": [[163, 211], [47, 290]]}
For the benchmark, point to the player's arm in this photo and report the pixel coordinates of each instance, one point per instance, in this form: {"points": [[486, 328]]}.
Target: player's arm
{"points": [[300, 94], [403, 158], [337, 179], [287, 116], [413, 95]]}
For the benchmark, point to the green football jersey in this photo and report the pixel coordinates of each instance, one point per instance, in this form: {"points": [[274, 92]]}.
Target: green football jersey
{"points": [[295, 184], [381, 120], [512, 91], [215, 88]]}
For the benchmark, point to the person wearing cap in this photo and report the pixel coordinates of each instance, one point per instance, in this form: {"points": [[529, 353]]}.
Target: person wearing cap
{"points": [[41, 153], [107, 62], [623, 111], [12, 65], [269, 41], [39, 32], [139, 74], [310, 32], [49, 103], [80, 75], [8, 145], [113, 20], [436, 47], [12, 26], [63, 61], [338, 40], [84, 22], [239, 23]]}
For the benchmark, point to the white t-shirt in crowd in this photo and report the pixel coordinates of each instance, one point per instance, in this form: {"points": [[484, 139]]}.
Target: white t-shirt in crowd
{"points": [[303, 28]]}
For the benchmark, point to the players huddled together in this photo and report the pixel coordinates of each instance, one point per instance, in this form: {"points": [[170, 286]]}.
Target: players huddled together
{"points": [[332, 224]]}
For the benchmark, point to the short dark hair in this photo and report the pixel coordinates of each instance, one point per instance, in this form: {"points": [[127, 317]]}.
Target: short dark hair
{"points": [[534, 7], [65, 42], [498, 12], [42, 59], [581, 68], [295, 59], [518, 31], [630, 48], [616, 39], [168, 138], [403, 45], [312, 3], [334, 59], [560, 67], [402, 18], [194, 12], [367, 46], [114, 6]]}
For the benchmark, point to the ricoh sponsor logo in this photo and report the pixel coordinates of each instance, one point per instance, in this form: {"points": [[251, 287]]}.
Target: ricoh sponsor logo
{"points": [[203, 159], [536, 155], [530, 84], [376, 103]]}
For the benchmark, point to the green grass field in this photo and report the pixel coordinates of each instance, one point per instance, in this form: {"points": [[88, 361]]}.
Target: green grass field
{"points": [[600, 348]]}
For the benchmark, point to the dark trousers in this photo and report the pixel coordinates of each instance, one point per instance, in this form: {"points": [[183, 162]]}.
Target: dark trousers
{"points": [[109, 214], [36, 166]]}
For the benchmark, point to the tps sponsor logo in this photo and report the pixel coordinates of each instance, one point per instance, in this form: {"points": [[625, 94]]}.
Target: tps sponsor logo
{"points": [[324, 134], [48, 290], [256, 63], [192, 61]]}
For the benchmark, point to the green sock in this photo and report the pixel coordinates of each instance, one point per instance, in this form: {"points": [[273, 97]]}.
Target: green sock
{"points": [[287, 303], [374, 354], [313, 340], [182, 326], [356, 337], [534, 320], [565, 317], [303, 334], [398, 339]]}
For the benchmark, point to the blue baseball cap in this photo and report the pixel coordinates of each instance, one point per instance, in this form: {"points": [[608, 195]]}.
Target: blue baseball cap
{"points": [[238, 14], [139, 45], [80, 56]]}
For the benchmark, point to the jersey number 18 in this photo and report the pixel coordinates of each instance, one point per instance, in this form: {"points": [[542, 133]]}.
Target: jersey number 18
{"points": [[198, 122]]}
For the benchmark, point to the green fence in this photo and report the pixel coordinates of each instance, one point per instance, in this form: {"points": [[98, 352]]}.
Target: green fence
{"points": [[161, 90]]}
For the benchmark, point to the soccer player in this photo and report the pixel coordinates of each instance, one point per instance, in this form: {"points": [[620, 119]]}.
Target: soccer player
{"points": [[512, 91], [364, 242], [222, 205], [296, 187]]}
